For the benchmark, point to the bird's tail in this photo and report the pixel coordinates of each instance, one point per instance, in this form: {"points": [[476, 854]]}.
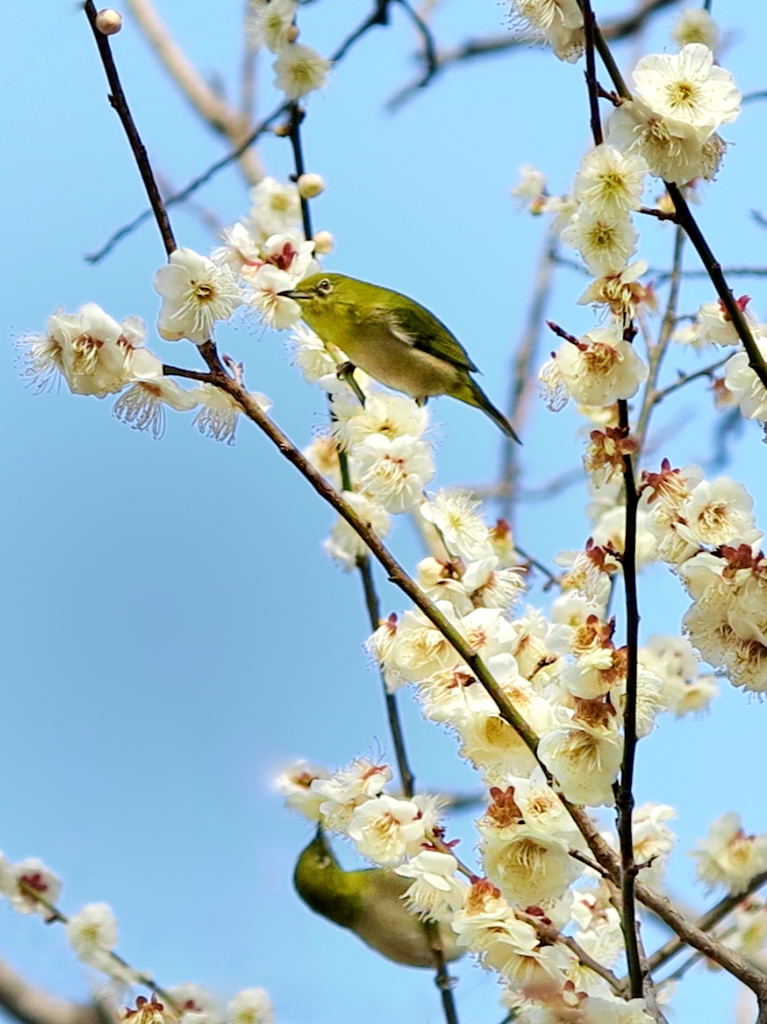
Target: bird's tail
{"points": [[474, 395]]}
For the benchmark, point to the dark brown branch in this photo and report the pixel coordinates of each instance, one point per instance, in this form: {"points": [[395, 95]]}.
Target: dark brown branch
{"points": [[407, 778], [592, 86], [624, 790], [120, 105], [707, 921]]}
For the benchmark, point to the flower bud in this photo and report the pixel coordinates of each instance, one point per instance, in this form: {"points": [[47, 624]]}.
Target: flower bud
{"points": [[291, 33], [323, 243], [310, 185], [108, 22]]}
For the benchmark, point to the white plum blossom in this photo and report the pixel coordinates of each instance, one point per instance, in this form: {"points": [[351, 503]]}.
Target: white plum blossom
{"points": [[609, 183], [390, 415], [394, 472], [276, 208], [218, 412], [688, 87], [435, 892], [453, 512], [267, 285], [300, 70], [621, 293], [92, 934], [558, 22], [728, 856], [196, 293], [240, 248], [199, 1006], [744, 385], [529, 868], [385, 829], [713, 326], [142, 405], [251, 1006], [531, 188], [269, 23], [673, 149], [24, 882], [606, 243], [313, 357], [600, 367], [716, 513], [344, 544], [653, 840], [347, 788], [695, 25], [295, 784], [583, 756], [91, 351]]}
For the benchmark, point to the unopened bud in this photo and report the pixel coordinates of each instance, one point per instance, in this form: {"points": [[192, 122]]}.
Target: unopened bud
{"points": [[323, 243], [291, 33], [108, 21], [310, 185], [282, 131]]}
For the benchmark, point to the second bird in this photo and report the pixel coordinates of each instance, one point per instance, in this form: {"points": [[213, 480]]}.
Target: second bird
{"points": [[394, 339]]}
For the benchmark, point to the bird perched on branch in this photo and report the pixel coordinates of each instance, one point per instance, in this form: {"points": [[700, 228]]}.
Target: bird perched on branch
{"points": [[368, 902], [393, 338]]}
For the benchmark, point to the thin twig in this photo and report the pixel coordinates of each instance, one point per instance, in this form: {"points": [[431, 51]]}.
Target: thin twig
{"points": [[658, 351], [57, 916], [707, 371], [522, 381], [407, 778], [552, 935], [233, 124], [253, 135], [31, 1005], [707, 921], [733, 310], [486, 46], [120, 104]]}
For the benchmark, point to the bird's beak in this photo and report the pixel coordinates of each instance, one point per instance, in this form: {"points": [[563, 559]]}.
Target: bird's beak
{"points": [[293, 293]]}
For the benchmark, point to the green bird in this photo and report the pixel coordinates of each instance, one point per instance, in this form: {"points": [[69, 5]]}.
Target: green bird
{"points": [[368, 903], [394, 339]]}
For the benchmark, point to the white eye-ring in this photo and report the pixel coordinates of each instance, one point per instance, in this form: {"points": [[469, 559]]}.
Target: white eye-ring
{"points": [[325, 286]]}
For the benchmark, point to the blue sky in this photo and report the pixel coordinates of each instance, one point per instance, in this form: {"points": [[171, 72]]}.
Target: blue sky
{"points": [[172, 632]]}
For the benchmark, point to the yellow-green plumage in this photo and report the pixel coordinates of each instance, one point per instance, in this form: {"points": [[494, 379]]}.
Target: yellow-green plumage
{"points": [[394, 339], [368, 903]]}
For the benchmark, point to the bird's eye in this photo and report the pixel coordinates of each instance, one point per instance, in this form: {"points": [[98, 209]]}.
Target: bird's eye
{"points": [[325, 286]]}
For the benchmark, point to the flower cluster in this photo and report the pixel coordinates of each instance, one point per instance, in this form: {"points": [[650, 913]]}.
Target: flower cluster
{"points": [[32, 888], [298, 69]]}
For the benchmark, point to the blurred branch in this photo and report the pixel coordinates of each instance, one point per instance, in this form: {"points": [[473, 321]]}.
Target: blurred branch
{"points": [[523, 381], [31, 1005], [707, 921], [486, 46], [210, 106]]}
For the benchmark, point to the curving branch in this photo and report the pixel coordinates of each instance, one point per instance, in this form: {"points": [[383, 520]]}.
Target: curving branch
{"points": [[32, 1005], [210, 106], [618, 28]]}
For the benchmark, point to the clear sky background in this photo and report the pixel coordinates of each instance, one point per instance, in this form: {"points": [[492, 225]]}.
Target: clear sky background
{"points": [[172, 634]]}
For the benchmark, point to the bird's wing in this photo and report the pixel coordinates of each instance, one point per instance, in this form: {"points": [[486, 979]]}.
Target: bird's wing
{"points": [[416, 326]]}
